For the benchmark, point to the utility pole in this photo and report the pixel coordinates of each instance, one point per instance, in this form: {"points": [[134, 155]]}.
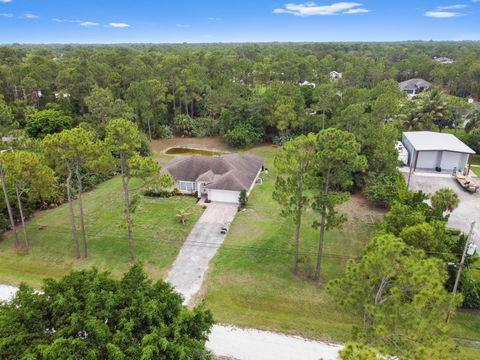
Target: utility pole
{"points": [[460, 267]]}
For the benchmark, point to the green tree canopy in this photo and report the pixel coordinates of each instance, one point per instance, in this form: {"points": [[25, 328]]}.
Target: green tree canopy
{"points": [[401, 298], [89, 315], [30, 177], [42, 123]]}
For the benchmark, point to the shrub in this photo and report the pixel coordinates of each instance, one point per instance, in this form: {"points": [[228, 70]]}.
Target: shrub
{"points": [[383, 188], [205, 126], [183, 125], [281, 139], [243, 135], [4, 223], [470, 289], [162, 132], [243, 198], [156, 192]]}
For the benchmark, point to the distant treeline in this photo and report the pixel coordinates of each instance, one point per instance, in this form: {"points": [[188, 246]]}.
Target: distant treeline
{"points": [[250, 88]]}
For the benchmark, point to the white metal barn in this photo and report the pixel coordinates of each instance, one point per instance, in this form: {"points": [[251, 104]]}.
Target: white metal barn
{"points": [[432, 150], [218, 178]]}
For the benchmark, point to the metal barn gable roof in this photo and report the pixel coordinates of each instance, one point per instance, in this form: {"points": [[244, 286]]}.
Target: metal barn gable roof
{"points": [[434, 141]]}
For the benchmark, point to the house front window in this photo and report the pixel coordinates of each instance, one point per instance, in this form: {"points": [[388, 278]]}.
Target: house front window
{"points": [[187, 186]]}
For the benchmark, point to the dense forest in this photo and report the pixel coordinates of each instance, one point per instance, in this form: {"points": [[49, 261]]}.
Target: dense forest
{"points": [[248, 92]]}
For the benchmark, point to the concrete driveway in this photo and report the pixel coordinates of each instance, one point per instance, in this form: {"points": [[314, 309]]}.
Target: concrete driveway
{"points": [[191, 264], [468, 209]]}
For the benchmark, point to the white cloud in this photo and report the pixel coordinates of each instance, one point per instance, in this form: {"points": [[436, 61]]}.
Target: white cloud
{"points": [[31, 16], [357, 11], [311, 9], [118, 25], [442, 14], [6, 15], [182, 26], [447, 11], [66, 20], [89, 23], [452, 7], [5, 1]]}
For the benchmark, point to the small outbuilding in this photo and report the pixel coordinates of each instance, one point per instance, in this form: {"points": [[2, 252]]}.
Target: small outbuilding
{"points": [[436, 151]]}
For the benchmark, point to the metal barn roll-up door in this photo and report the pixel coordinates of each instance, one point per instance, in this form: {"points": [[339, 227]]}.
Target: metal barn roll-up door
{"points": [[427, 160], [451, 160]]}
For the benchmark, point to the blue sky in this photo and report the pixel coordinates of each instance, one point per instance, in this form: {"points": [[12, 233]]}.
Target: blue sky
{"points": [[171, 21]]}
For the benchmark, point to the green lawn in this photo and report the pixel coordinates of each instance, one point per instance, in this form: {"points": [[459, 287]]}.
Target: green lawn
{"points": [[251, 282], [158, 237]]}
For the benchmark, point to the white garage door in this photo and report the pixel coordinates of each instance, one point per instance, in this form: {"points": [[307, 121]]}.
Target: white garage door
{"points": [[427, 159], [223, 196], [451, 160]]}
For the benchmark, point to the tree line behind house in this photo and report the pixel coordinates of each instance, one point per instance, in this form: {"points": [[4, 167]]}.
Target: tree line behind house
{"points": [[246, 93]]}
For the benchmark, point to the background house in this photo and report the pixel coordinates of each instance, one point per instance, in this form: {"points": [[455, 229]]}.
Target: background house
{"points": [[335, 74], [218, 178], [414, 86]]}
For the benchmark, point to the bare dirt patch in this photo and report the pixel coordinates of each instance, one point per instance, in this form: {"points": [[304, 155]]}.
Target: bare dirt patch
{"points": [[207, 143], [359, 208]]}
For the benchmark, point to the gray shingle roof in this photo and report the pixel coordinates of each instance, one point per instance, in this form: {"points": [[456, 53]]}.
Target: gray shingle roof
{"points": [[226, 172], [414, 84]]}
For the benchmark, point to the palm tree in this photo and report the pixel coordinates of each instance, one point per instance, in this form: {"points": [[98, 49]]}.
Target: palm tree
{"points": [[473, 121], [182, 216], [445, 200], [432, 109], [410, 121]]}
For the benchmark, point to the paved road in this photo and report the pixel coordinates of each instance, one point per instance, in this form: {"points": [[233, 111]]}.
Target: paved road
{"points": [[191, 264], [468, 209], [251, 344]]}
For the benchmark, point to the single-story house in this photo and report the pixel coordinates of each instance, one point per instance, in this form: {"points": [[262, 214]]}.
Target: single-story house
{"points": [[335, 74], [218, 178], [414, 86], [431, 150]]}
